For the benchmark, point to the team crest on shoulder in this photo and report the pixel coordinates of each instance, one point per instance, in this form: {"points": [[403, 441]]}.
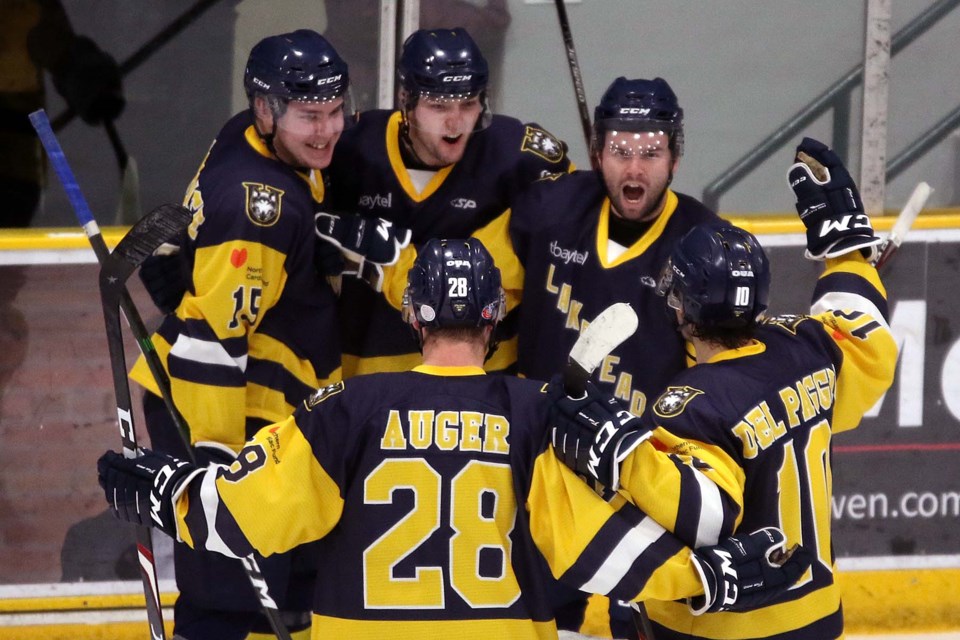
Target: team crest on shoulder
{"points": [[541, 143], [788, 321], [322, 394], [674, 400], [263, 203]]}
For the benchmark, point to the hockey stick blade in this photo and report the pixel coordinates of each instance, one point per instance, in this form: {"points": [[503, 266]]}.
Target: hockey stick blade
{"points": [[608, 330], [146, 236], [905, 220]]}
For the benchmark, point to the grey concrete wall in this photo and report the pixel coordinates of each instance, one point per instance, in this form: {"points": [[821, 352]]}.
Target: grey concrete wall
{"points": [[741, 68]]}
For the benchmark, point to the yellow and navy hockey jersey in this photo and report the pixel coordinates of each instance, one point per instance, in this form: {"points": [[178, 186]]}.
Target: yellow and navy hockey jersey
{"points": [[256, 332], [439, 507], [368, 177], [760, 422], [571, 275]]}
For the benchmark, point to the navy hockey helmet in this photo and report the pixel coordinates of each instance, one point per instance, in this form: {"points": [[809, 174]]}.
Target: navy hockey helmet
{"points": [[639, 105], [443, 63], [454, 283], [300, 65], [718, 276]]}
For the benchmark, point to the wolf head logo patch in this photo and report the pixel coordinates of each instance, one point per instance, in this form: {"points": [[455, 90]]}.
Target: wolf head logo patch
{"points": [[322, 394], [542, 144], [263, 203], [674, 400]]}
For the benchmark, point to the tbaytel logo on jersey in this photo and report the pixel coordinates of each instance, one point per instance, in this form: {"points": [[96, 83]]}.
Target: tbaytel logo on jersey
{"points": [[376, 201], [568, 255]]}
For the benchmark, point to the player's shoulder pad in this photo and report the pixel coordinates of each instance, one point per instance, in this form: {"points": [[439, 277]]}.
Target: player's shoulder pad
{"points": [[322, 394], [787, 322], [543, 144], [674, 400]]}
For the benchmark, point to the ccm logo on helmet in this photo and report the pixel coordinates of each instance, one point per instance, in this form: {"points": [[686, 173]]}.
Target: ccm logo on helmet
{"points": [[635, 111], [335, 78], [457, 78]]}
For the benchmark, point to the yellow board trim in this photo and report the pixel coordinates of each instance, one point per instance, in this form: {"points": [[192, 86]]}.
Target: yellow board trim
{"points": [[59, 604], [760, 223], [56, 238], [893, 601]]}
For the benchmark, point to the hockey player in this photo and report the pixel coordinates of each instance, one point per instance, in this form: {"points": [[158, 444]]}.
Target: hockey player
{"points": [[435, 495], [587, 240], [608, 236], [761, 406], [442, 165], [256, 332], [574, 244]]}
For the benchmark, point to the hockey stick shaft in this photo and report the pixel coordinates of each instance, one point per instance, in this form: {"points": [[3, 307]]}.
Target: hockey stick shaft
{"points": [[905, 220], [111, 314], [81, 209], [142, 241], [148, 572], [575, 75], [611, 328]]}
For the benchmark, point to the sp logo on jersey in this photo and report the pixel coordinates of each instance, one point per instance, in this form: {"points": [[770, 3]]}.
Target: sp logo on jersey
{"points": [[674, 400], [542, 144], [263, 203]]}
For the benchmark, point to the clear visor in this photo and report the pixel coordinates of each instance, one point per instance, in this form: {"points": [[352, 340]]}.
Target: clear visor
{"points": [[321, 117], [449, 115], [665, 287], [637, 144]]}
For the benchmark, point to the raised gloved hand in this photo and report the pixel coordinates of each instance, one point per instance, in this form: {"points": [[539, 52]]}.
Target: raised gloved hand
{"points": [[90, 82], [592, 434], [164, 275], [142, 490], [363, 239], [829, 204], [747, 571]]}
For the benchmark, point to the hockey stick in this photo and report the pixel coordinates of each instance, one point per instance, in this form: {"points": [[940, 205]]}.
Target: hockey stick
{"points": [[81, 209], [578, 89], [148, 234], [608, 331], [903, 223], [79, 204], [142, 241]]}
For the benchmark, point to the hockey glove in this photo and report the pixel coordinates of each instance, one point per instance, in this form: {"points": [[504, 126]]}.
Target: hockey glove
{"points": [[164, 276], [747, 571], [90, 82], [143, 490], [829, 204], [363, 239], [592, 434]]}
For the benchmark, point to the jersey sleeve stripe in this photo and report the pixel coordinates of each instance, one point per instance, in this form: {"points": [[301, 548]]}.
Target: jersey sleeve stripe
{"points": [[206, 352], [850, 302], [851, 293], [619, 561], [709, 523]]}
